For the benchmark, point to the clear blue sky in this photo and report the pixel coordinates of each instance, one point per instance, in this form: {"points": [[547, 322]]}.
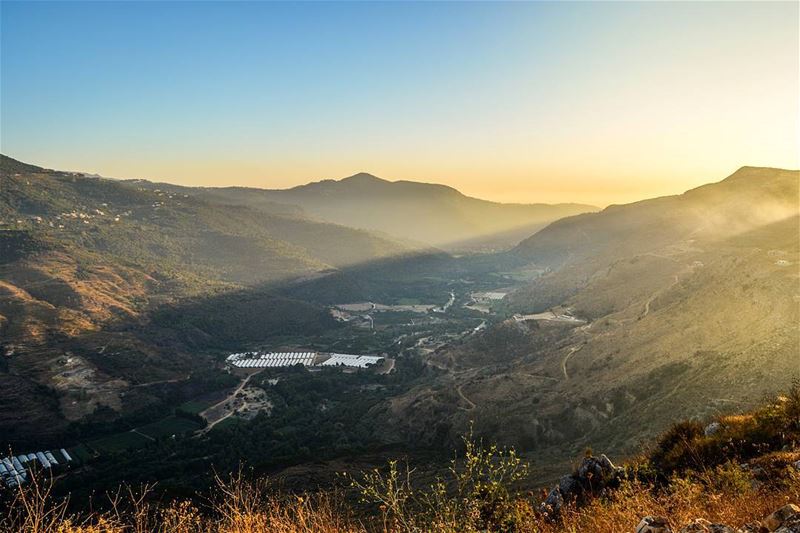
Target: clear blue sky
{"points": [[512, 101]]}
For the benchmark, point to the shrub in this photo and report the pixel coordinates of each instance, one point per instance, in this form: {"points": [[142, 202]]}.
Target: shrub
{"points": [[477, 494]]}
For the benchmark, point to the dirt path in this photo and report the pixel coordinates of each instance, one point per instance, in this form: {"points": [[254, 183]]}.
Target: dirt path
{"points": [[566, 358], [463, 397], [388, 366], [657, 294]]}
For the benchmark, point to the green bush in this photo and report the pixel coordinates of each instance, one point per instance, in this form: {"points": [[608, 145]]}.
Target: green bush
{"points": [[477, 494]]}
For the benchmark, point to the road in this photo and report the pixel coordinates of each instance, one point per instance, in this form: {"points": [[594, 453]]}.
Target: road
{"points": [[238, 389], [566, 358], [449, 302], [463, 397], [657, 294]]}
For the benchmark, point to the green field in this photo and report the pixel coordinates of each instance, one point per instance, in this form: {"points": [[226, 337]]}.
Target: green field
{"points": [[166, 427]]}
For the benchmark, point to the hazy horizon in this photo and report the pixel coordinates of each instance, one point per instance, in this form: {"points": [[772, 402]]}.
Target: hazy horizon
{"points": [[519, 102], [169, 181]]}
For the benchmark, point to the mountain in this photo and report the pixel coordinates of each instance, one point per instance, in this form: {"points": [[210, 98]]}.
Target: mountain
{"points": [[427, 213], [86, 262], [682, 306]]}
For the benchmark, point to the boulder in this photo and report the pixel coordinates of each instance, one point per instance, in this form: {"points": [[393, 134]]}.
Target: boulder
{"points": [[569, 487], [790, 525], [785, 516], [597, 468], [712, 428], [592, 476], [653, 524]]}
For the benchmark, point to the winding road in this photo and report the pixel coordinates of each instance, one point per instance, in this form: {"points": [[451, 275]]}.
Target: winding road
{"points": [[566, 358], [463, 397], [657, 294]]}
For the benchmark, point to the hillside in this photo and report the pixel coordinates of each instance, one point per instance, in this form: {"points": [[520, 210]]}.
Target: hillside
{"points": [[686, 306], [85, 261], [427, 213]]}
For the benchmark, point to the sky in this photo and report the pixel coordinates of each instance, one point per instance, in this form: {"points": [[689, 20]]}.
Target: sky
{"points": [[515, 102]]}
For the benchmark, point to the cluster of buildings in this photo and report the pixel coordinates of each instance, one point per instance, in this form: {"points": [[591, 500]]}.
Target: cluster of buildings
{"points": [[273, 359], [310, 359], [14, 470]]}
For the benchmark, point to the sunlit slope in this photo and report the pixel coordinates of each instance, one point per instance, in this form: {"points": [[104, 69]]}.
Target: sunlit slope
{"points": [[422, 212], [691, 306], [749, 198]]}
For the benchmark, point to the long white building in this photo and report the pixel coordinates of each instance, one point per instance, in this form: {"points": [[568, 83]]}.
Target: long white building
{"points": [[285, 359]]}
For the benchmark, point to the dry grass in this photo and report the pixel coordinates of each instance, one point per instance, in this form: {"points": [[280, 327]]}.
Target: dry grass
{"points": [[700, 477], [237, 506], [242, 506], [681, 504]]}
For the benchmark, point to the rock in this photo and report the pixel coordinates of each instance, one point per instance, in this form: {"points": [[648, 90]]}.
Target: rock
{"points": [[597, 468], [653, 524], [568, 486], [712, 428], [783, 516], [796, 464], [552, 504], [791, 525], [594, 475]]}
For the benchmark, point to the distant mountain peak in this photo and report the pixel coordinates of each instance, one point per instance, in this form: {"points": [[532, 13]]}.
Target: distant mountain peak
{"points": [[751, 171], [364, 177]]}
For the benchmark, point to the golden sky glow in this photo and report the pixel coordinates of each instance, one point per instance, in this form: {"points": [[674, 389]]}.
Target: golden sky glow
{"points": [[557, 102]]}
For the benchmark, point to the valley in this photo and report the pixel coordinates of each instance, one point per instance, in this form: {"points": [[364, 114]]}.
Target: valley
{"points": [[399, 267], [119, 317]]}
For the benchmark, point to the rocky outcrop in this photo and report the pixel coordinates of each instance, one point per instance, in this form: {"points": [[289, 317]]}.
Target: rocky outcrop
{"points": [[784, 520], [594, 475]]}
